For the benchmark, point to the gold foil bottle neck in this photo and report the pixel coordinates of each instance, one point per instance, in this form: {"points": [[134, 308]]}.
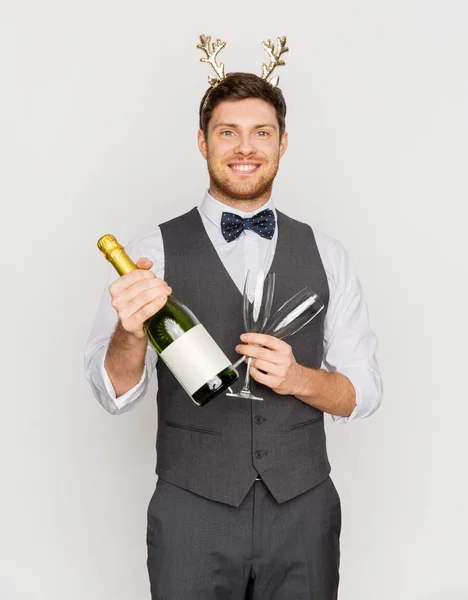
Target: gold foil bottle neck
{"points": [[115, 254], [108, 243]]}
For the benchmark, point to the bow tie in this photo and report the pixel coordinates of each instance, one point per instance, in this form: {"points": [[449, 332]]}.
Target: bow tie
{"points": [[262, 223]]}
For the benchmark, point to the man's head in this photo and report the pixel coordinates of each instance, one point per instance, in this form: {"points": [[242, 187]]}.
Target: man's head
{"points": [[242, 136]]}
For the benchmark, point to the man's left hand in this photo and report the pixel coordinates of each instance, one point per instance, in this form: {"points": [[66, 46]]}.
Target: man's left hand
{"points": [[275, 358]]}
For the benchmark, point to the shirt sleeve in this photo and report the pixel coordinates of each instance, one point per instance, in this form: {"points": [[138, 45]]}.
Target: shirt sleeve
{"points": [[105, 321], [350, 344]]}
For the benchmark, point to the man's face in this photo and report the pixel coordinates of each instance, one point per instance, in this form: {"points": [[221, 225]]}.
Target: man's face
{"points": [[243, 148]]}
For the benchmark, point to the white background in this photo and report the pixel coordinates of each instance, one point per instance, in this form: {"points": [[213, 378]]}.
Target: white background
{"points": [[99, 104]]}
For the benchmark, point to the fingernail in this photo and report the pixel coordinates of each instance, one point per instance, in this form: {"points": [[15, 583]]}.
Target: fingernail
{"points": [[243, 337]]}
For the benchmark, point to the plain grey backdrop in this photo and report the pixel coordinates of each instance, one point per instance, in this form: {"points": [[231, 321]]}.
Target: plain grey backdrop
{"points": [[99, 105]]}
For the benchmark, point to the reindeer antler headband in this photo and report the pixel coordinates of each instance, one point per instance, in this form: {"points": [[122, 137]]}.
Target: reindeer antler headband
{"points": [[212, 50]]}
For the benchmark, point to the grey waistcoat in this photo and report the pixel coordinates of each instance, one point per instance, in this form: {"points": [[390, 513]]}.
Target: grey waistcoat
{"points": [[217, 450]]}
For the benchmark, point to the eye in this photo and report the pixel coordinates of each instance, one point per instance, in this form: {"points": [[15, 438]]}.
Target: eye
{"points": [[263, 133], [227, 133]]}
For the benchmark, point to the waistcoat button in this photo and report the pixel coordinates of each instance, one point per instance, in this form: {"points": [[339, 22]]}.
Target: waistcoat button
{"points": [[259, 454], [259, 420]]}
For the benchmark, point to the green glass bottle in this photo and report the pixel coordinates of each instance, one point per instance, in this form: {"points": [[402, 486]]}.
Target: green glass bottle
{"points": [[186, 347]]}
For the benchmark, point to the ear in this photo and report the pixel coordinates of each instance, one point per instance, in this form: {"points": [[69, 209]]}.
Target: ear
{"points": [[283, 143], [202, 144]]}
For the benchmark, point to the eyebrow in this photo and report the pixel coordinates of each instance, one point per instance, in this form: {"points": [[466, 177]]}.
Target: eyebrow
{"points": [[234, 126]]}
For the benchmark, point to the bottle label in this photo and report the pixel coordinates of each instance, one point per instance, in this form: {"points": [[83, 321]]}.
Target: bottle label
{"points": [[195, 358]]}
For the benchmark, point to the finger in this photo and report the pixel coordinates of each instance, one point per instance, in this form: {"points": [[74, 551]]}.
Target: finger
{"points": [[144, 263], [269, 380], [159, 287], [142, 299], [129, 279], [124, 298], [261, 353], [268, 367], [264, 340], [135, 321]]}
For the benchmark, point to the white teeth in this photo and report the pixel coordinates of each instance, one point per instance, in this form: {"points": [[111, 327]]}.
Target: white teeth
{"points": [[244, 167]]}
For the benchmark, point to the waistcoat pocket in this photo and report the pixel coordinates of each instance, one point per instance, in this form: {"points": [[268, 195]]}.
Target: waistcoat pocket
{"points": [[190, 428], [305, 423]]}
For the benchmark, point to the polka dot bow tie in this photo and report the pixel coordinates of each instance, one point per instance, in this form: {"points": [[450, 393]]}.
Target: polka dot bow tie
{"points": [[262, 223]]}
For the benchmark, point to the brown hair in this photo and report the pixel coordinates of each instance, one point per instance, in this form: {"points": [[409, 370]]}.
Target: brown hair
{"points": [[238, 86]]}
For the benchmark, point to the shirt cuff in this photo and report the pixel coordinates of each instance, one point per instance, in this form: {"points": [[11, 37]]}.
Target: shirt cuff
{"points": [[368, 387], [130, 395]]}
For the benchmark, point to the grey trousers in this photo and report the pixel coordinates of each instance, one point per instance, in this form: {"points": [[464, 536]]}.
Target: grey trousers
{"points": [[199, 549]]}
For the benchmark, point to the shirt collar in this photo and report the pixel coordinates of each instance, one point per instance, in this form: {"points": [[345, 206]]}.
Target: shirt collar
{"points": [[213, 209]]}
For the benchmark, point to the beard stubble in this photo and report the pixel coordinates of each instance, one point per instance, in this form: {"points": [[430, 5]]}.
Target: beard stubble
{"points": [[246, 190]]}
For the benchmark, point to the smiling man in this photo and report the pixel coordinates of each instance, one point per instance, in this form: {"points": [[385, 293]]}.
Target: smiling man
{"points": [[244, 506], [244, 150]]}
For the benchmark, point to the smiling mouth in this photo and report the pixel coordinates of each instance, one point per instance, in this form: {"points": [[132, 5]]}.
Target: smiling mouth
{"points": [[244, 168]]}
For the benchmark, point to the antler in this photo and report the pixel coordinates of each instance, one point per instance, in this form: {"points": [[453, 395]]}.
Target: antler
{"points": [[211, 50], [274, 55]]}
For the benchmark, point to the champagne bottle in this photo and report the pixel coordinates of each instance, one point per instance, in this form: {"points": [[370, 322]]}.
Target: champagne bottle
{"points": [[185, 346]]}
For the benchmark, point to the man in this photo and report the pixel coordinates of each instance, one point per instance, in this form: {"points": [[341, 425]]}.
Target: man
{"points": [[244, 506]]}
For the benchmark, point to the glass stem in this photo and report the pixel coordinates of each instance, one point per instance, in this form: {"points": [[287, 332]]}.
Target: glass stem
{"points": [[246, 387]]}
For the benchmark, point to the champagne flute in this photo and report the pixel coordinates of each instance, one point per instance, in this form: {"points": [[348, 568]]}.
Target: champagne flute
{"points": [[258, 298], [292, 316]]}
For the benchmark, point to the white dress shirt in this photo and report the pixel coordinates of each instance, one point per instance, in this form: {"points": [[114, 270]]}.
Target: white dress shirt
{"points": [[349, 343]]}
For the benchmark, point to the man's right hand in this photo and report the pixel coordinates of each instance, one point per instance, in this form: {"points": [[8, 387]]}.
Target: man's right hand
{"points": [[137, 296]]}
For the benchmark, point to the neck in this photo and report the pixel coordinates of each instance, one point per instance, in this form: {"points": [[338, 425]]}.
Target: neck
{"points": [[245, 204]]}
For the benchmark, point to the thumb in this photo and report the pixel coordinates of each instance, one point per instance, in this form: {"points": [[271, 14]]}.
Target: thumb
{"points": [[144, 263]]}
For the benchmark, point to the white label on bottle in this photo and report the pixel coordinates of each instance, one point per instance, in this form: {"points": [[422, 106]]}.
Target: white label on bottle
{"points": [[195, 358]]}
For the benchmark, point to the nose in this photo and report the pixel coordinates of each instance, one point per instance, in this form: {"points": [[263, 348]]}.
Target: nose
{"points": [[245, 145]]}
